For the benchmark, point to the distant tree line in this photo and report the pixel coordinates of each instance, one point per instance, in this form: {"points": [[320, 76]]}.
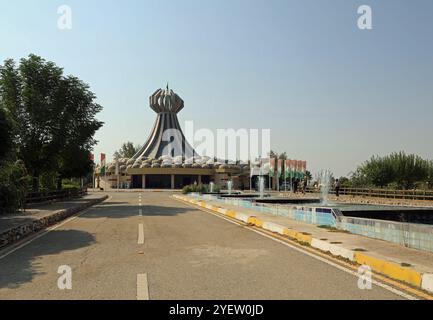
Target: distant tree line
{"points": [[47, 128], [397, 171], [127, 150]]}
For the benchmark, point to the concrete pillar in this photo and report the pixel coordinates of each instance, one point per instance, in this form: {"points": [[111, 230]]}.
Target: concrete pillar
{"points": [[172, 181], [199, 178], [143, 181]]}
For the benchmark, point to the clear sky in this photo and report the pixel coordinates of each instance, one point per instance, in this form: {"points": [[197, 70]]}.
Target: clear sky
{"points": [[331, 93]]}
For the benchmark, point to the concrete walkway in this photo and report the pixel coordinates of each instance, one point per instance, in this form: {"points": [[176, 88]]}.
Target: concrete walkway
{"points": [[14, 227], [35, 212]]}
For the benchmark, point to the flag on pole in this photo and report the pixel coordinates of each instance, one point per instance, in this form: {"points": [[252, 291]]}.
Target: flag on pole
{"points": [[299, 169], [287, 168], [280, 168], [291, 168], [271, 167], [103, 164]]}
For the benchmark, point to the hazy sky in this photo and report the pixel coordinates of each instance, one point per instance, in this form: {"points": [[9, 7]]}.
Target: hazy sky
{"points": [[332, 94]]}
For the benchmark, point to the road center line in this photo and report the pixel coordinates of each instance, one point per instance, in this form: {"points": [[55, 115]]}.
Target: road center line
{"points": [[142, 287], [140, 234]]}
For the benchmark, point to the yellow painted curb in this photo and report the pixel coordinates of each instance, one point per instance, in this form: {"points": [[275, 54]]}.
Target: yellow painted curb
{"points": [[390, 269], [252, 220], [304, 238], [258, 223], [298, 235], [290, 233], [231, 214]]}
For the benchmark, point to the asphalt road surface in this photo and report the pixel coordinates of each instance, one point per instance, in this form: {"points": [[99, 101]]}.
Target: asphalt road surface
{"points": [[159, 248]]}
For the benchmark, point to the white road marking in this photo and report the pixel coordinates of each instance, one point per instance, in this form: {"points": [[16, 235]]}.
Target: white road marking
{"points": [[140, 234], [142, 287], [379, 284], [49, 229]]}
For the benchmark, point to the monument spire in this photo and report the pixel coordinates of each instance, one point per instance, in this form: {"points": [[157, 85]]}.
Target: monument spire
{"points": [[166, 103]]}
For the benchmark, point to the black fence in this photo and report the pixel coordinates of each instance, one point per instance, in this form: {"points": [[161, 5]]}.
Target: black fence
{"points": [[384, 193], [41, 197]]}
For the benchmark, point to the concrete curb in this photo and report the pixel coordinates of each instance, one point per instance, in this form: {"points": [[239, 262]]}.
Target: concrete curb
{"points": [[389, 269], [15, 234]]}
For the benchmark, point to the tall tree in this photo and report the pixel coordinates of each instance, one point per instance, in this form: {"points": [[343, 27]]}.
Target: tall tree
{"points": [[398, 169], [5, 134], [35, 113], [13, 180], [75, 130], [282, 156], [127, 150], [54, 117]]}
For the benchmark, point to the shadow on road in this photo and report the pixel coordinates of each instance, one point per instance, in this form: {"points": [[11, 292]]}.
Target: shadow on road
{"points": [[21, 266], [116, 210]]}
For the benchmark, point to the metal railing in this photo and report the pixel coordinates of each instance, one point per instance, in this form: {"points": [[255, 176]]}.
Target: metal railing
{"points": [[39, 197], [383, 193], [411, 235]]}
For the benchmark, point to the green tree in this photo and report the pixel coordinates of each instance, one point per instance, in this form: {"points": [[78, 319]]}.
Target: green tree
{"points": [[430, 175], [408, 169], [32, 104], [54, 117], [400, 170], [378, 171], [127, 150], [344, 182], [5, 134], [282, 156], [13, 182], [308, 175], [13, 186], [75, 130]]}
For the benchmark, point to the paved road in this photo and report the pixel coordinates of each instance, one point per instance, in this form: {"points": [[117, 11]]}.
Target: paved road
{"points": [[183, 252]]}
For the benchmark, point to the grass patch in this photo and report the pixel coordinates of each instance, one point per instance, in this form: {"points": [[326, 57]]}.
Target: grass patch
{"points": [[333, 229], [405, 264], [326, 227], [303, 243]]}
